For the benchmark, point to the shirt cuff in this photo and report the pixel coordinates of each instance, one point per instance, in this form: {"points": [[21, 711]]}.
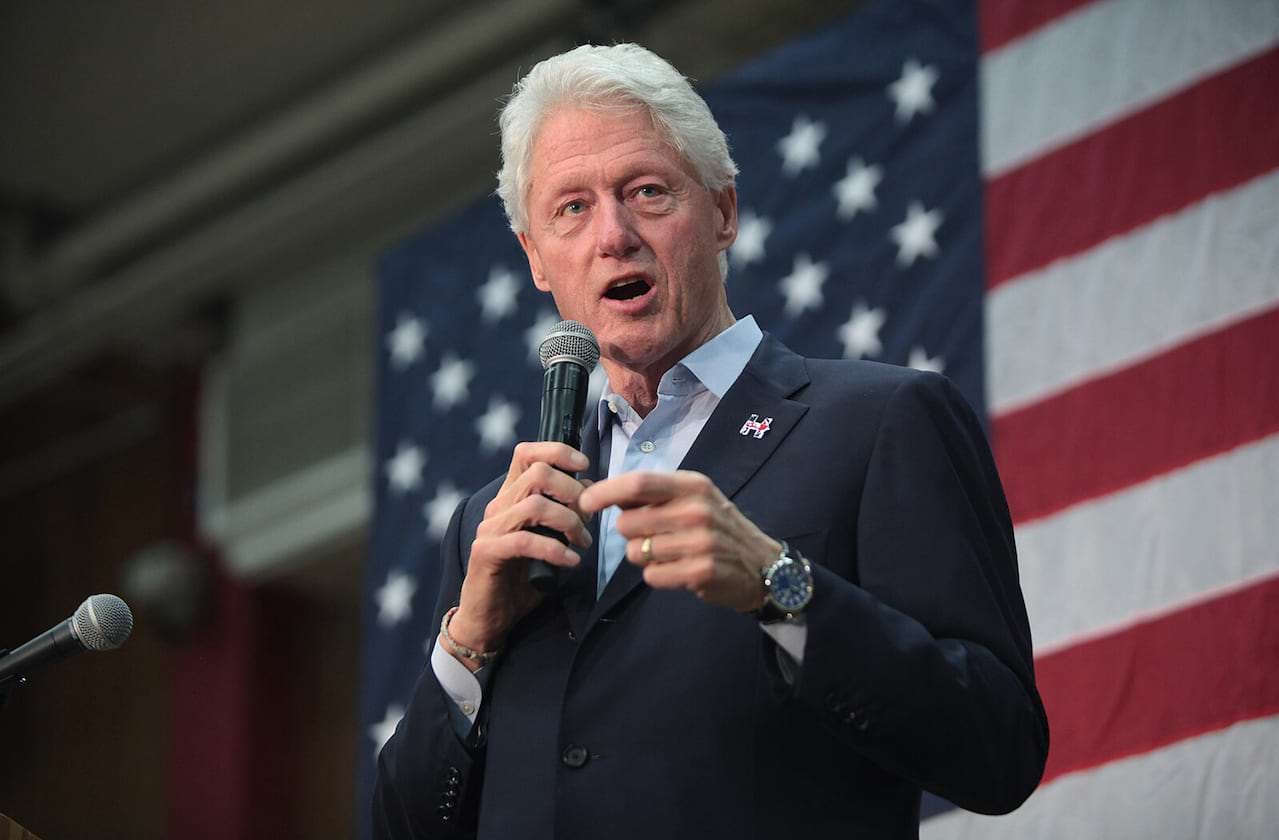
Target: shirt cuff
{"points": [[462, 687], [790, 637]]}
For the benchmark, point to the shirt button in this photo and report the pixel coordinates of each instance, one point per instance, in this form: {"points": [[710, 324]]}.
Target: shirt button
{"points": [[468, 709], [647, 446], [576, 756]]}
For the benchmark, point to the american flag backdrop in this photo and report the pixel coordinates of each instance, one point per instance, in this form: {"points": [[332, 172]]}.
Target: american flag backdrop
{"points": [[1070, 208]]}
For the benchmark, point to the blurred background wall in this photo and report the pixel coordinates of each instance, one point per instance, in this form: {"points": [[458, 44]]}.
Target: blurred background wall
{"points": [[191, 200]]}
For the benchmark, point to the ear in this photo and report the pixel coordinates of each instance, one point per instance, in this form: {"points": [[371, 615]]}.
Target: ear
{"points": [[534, 262], [725, 217]]}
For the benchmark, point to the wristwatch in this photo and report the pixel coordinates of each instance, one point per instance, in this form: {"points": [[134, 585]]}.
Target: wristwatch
{"points": [[788, 586]]}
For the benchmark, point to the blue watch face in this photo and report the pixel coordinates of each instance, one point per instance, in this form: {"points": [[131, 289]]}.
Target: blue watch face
{"points": [[791, 587]]}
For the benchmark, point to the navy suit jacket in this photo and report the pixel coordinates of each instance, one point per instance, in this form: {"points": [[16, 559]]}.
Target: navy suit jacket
{"points": [[647, 713]]}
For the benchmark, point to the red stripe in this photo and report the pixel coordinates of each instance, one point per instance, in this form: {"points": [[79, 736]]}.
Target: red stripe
{"points": [[1193, 671], [1211, 137], [1000, 21], [1199, 399]]}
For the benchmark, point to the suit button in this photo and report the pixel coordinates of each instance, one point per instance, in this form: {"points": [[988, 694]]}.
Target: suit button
{"points": [[576, 756]]}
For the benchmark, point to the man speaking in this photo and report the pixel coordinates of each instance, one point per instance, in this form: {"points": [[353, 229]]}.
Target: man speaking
{"points": [[789, 600]]}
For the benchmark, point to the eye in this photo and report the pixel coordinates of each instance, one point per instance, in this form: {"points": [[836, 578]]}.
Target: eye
{"points": [[572, 208], [649, 191]]}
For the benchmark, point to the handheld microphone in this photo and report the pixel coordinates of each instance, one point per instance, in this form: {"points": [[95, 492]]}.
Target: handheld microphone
{"points": [[102, 622], [569, 353]]}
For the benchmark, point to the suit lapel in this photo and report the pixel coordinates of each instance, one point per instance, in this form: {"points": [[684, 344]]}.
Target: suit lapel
{"points": [[721, 452], [729, 452]]}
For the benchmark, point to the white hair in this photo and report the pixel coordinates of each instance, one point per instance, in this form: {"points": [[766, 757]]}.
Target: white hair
{"points": [[621, 77]]}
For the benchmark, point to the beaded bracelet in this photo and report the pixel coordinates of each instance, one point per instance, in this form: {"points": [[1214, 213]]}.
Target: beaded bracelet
{"points": [[459, 649]]}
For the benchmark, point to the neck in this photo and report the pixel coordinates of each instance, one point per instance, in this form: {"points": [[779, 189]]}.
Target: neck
{"points": [[638, 386]]}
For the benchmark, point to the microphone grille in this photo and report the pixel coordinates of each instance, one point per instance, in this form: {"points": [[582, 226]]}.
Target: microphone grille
{"points": [[102, 622], [569, 341]]}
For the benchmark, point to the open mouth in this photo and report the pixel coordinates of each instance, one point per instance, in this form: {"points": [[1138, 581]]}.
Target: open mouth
{"points": [[629, 290]]}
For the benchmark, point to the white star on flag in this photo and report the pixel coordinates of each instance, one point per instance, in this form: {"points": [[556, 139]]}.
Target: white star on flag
{"points": [[497, 296], [404, 469], [803, 286], [920, 360], [440, 509], [395, 598], [534, 335], [496, 426], [860, 334], [451, 383], [382, 731], [799, 148], [856, 190], [752, 230], [406, 341], [917, 235], [913, 92]]}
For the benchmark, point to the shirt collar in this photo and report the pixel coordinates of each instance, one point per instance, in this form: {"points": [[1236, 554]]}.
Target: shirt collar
{"points": [[715, 364], [719, 362]]}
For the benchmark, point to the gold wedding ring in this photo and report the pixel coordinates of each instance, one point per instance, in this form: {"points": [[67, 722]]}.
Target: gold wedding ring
{"points": [[646, 551]]}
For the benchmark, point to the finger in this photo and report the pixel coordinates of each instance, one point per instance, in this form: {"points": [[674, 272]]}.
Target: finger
{"points": [[520, 545], [673, 547], [556, 454], [538, 510], [680, 514], [644, 488], [542, 479], [697, 574]]}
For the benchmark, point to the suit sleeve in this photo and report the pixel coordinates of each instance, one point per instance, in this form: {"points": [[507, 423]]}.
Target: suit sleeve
{"points": [[429, 778], [924, 665]]}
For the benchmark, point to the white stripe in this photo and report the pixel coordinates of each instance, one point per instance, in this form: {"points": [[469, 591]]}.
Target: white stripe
{"points": [[1203, 529], [1214, 786], [1134, 295], [1105, 61]]}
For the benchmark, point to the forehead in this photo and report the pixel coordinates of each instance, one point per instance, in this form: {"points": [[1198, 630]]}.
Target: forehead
{"points": [[578, 142]]}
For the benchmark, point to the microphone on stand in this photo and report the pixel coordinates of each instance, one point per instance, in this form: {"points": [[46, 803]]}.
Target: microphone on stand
{"points": [[569, 353], [102, 622]]}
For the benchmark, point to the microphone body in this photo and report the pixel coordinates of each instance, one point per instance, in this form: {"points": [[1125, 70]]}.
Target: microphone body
{"points": [[569, 354], [53, 645], [102, 622], [564, 387]]}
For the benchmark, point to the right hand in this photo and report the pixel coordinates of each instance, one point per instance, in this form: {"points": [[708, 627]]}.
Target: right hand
{"points": [[496, 592]]}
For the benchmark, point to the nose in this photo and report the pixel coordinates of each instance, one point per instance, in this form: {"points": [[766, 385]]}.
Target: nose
{"points": [[615, 230]]}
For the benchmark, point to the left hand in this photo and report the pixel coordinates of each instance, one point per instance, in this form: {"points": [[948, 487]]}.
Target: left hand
{"points": [[700, 540]]}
